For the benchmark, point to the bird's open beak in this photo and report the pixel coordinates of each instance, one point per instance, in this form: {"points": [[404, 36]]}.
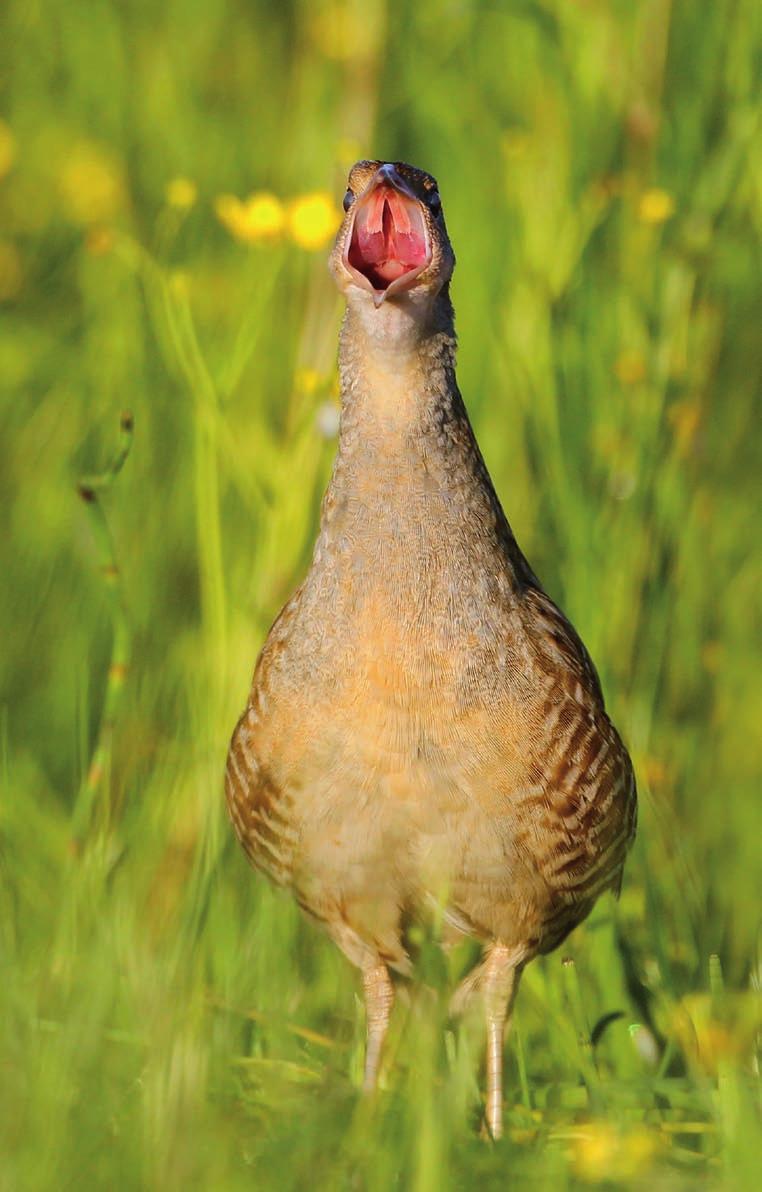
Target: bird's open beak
{"points": [[388, 244]]}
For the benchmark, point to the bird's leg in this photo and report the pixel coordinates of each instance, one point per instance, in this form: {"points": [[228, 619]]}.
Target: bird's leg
{"points": [[500, 976], [379, 998]]}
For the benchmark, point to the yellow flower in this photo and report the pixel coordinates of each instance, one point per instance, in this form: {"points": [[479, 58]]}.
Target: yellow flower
{"points": [[708, 1041], [91, 184], [181, 193], [306, 380], [99, 240], [712, 656], [594, 1150], [655, 206], [260, 217], [685, 418], [7, 149], [11, 271], [601, 1152], [656, 771], [313, 219], [179, 284], [630, 367], [347, 31]]}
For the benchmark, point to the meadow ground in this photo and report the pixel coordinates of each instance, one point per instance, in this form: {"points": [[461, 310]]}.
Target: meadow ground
{"points": [[166, 1020]]}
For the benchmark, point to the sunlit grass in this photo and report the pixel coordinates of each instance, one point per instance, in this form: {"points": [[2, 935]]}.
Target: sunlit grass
{"points": [[169, 182]]}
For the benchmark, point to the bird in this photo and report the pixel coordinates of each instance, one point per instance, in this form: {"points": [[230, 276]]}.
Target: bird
{"points": [[425, 730]]}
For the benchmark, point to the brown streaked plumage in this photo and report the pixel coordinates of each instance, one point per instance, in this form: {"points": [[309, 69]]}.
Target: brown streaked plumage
{"points": [[424, 727]]}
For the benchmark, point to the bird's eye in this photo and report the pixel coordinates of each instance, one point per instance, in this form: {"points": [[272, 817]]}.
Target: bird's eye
{"points": [[434, 202], [349, 199]]}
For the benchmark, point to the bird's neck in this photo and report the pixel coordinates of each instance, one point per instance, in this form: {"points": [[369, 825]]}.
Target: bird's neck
{"points": [[397, 377], [408, 475]]}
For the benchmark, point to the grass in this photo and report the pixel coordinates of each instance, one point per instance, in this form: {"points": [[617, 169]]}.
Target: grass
{"points": [[166, 1020]]}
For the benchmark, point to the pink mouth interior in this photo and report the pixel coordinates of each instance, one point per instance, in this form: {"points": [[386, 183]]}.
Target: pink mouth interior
{"points": [[388, 237]]}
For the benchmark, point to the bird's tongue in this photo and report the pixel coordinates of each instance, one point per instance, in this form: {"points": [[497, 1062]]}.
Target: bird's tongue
{"points": [[388, 237]]}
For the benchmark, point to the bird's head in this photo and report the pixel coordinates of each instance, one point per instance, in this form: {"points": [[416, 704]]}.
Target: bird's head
{"points": [[392, 246]]}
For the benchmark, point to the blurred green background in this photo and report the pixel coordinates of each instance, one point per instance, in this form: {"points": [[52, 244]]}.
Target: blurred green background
{"points": [[169, 179]]}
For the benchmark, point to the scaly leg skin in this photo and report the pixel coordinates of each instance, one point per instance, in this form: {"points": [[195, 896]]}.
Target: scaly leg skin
{"points": [[499, 982], [379, 999]]}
